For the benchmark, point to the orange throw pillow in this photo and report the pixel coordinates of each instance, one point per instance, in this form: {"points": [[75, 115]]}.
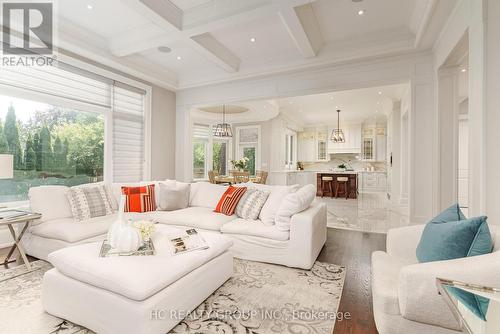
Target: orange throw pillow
{"points": [[229, 200], [140, 199]]}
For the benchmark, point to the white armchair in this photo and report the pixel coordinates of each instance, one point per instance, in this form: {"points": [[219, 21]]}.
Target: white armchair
{"points": [[405, 297]]}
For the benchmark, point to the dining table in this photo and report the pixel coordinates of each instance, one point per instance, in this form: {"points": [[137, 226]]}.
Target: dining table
{"points": [[230, 179]]}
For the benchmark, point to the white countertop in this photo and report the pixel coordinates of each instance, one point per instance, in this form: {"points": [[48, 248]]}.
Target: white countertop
{"points": [[329, 171]]}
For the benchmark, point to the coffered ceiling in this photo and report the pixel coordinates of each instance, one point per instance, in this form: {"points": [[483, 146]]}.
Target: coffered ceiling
{"points": [[211, 41]]}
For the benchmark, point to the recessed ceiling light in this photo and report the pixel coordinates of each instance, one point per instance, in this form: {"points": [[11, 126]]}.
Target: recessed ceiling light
{"points": [[164, 49], [336, 107], [331, 98], [379, 93], [378, 102], [361, 12], [179, 57], [463, 70], [376, 110], [90, 7], [253, 40]]}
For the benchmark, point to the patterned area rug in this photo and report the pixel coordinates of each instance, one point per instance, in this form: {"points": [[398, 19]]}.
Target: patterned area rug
{"points": [[259, 298]]}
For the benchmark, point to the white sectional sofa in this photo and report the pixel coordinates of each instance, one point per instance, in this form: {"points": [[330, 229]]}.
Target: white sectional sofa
{"points": [[252, 240], [405, 296]]}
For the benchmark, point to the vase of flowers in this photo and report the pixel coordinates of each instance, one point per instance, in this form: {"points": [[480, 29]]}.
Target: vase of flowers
{"points": [[146, 229], [240, 164]]}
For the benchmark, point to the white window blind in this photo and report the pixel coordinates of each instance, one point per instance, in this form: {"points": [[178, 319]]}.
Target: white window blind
{"points": [[249, 135], [128, 134], [122, 104], [201, 131], [63, 81]]}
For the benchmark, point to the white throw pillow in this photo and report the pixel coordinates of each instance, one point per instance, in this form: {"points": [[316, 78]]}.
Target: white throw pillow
{"points": [[173, 195], [206, 195], [294, 203], [50, 201], [276, 195]]}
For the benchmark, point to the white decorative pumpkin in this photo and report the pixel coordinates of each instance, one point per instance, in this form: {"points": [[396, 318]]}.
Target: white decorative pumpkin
{"points": [[115, 228], [128, 239], [114, 232]]}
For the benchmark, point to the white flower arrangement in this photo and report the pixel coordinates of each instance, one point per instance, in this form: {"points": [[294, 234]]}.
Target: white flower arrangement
{"points": [[240, 164], [146, 229]]}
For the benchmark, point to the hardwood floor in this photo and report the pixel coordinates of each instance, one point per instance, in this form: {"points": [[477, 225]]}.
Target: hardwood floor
{"points": [[353, 249]]}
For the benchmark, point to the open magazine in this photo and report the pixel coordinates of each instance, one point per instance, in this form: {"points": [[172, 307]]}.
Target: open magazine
{"points": [[189, 242]]}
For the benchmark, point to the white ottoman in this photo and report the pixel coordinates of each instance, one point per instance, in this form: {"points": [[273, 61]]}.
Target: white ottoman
{"points": [[140, 294]]}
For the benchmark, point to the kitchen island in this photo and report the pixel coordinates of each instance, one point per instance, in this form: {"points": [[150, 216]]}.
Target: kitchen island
{"points": [[352, 183]]}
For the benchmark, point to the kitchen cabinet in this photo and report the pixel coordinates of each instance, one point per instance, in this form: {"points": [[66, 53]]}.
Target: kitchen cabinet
{"points": [[312, 145], [368, 148], [289, 178], [374, 146], [306, 146], [322, 145], [352, 144], [372, 181]]}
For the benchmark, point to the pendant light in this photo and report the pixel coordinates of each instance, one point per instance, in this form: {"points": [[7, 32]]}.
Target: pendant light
{"points": [[337, 134], [223, 129]]}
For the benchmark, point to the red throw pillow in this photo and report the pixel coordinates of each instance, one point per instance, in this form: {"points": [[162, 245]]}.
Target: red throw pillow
{"points": [[228, 202], [140, 199]]}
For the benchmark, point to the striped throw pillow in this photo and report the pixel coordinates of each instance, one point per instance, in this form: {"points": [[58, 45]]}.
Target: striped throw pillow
{"points": [[251, 204], [139, 199], [89, 201], [229, 200]]}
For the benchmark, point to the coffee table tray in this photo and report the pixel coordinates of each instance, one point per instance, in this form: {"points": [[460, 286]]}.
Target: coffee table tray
{"points": [[147, 249]]}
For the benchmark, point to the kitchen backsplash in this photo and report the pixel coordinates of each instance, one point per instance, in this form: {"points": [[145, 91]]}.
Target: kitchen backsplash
{"points": [[337, 159]]}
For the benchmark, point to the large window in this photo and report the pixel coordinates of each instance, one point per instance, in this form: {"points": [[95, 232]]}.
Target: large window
{"points": [[248, 146], [209, 152], [50, 145], [200, 151], [68, 126]]}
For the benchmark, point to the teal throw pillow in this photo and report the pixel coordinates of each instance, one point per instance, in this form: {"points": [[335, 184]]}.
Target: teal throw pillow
{"points": [[451, 236]]}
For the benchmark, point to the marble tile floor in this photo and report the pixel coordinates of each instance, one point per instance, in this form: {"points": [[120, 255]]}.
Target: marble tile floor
{"points": [[370, 212]]}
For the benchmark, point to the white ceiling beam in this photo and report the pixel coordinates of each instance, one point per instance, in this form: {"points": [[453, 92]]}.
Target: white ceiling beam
{"points": [[215, 15], [139, 39], [211, 48], [163, 13], [303, 28], [421, 18], [171, 23]]}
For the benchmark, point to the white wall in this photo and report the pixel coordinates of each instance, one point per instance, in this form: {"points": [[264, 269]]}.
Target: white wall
{"points": [[492, 119], [162, 134], [394, 145], [479, 18], [405, 148]]}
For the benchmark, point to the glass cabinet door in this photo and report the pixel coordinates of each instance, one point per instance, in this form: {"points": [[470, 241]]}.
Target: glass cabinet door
{"points": [[367, 148], [321, 150]]}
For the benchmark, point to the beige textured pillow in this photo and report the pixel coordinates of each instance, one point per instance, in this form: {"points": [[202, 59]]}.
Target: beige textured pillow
{"points": [[174, 196], [89, 201]]}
